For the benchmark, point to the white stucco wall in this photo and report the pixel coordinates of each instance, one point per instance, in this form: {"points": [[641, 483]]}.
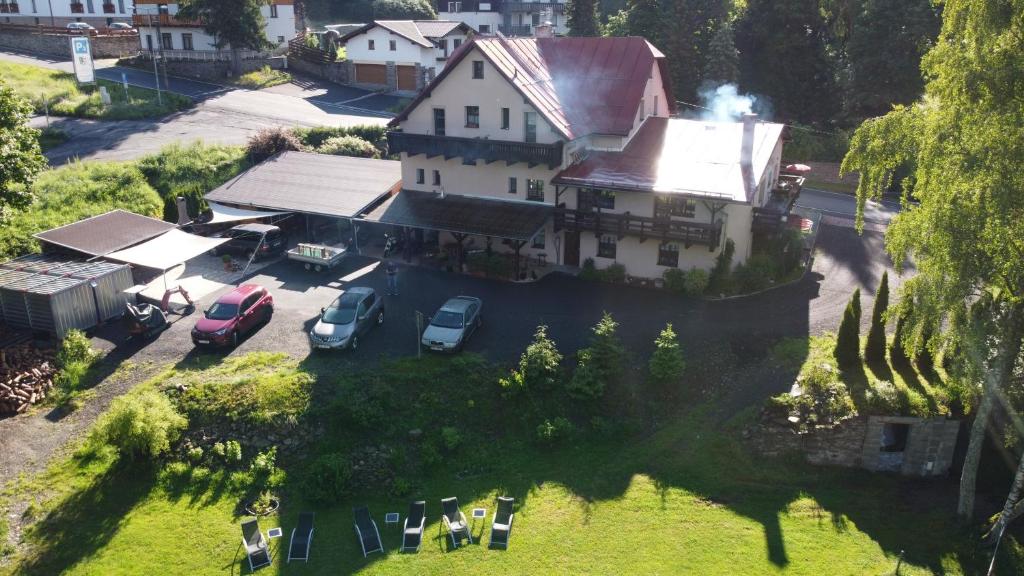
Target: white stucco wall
{"points": [[357, 49], [282, 26], [474, 19]]}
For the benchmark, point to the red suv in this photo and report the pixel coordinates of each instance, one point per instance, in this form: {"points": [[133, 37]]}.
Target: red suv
{"points": [[237, 312]]}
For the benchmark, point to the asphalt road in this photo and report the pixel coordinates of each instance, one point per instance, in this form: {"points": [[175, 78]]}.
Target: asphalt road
{"points": [[845, 205]]}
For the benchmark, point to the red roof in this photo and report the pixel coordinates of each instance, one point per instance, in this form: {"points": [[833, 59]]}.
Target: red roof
{"points": [[580, 85], [678, 156]]}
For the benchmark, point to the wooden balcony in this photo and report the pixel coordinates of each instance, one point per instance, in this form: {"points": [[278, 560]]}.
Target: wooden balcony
{"points": [[484, 149], [626, 224], [165, 20], [524, 30], [555, 7], [773, 216]]}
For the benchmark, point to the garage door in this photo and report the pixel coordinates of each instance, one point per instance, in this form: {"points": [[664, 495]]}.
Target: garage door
{"points": [[407, 78], [372, 74]]}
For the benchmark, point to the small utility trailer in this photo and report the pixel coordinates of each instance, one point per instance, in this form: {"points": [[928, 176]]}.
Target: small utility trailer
{"points": [[317, 257]]}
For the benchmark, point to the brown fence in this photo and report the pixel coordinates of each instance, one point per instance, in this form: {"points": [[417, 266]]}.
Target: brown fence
{"points": [[297, 49]]}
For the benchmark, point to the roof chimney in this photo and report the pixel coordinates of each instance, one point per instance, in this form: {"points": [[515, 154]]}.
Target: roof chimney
{"points": [[747, 155], [544, 30]]}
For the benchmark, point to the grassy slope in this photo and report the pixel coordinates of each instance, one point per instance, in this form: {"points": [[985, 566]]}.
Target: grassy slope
{"points": [[66, 98], [687, 499]]}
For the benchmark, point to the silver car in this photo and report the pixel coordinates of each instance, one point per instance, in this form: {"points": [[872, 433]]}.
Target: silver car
{"points": [[453, 324], [347, 318]]}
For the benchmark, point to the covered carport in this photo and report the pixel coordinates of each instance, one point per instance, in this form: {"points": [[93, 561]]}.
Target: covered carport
{"points": [[464, 216], [328, 191]]}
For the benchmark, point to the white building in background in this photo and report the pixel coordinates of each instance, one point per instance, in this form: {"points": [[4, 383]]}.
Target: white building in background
{"points": [[508, 17], [180, 34], [564, 149], [412, 52], [97, 13]]}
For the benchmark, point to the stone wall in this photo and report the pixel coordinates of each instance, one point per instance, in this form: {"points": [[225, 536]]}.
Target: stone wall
{"points": [[856, 443], [207, 70], [30, 40], [337, 72]]}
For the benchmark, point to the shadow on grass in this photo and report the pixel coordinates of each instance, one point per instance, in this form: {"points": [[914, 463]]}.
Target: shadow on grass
{"points": [[85, 521]]}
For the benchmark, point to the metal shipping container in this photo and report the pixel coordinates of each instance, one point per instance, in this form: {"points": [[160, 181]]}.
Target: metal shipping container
{"points": [[49, 294]]}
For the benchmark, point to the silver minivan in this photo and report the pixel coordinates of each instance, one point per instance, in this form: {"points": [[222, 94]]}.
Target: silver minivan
{"points": [[453, 324], [350, 316]]}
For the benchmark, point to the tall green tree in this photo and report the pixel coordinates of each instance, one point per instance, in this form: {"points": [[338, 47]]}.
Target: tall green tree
{"points": [[235, 24], [965, 233], [581, 18], [721, 62], [403, 10], [886, 43], [783, 47], [847, 349], [20, 157], [666, 365], [874, 350], [647, 18]]}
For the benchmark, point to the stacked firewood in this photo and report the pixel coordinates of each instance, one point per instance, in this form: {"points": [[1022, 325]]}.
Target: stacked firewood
{"points": [[26, 377]]}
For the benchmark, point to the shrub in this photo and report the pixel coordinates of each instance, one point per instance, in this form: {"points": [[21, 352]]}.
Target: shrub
{"points": [[316, 136], [365, 404], [232, 451], [327, 479], [539, 366], [271, 397], [74, 358], [265, 77], [758, 273], [898, 350], [825, 399], [847, 349], [696, 282], [718, 281], [349, 146], [589, 270], [553, 431], [586, 382], [451, 437], [675, 279], [614, 273], [792, 250], [403, 10], [874, 350], [270, 141], [218, 450], [195, 454], [666, 365], [264, 463], [141, 425]]}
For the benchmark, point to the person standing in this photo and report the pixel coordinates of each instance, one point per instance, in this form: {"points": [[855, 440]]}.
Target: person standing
{"points": [[391, 272]]}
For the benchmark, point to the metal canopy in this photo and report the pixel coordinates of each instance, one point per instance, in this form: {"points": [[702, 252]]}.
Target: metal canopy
{"points": [[462, 215], [223, 213], [105, 233]]}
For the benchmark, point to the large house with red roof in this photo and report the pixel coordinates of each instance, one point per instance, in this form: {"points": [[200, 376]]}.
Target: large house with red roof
{"points": [[565, 149]]}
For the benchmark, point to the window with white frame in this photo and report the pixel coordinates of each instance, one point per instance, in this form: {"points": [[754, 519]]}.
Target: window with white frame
{"points": [[472, 116], [455, 7], [606, 246], [421, 176], [534, 190], [186, 41], [538, 240], [668, 254]]}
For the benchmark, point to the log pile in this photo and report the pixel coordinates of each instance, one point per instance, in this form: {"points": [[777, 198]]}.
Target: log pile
{"points": [[26, 377]]}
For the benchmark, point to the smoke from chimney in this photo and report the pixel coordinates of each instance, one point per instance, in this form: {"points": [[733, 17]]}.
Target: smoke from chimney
{"points": [[726, 104], [544, 30]]}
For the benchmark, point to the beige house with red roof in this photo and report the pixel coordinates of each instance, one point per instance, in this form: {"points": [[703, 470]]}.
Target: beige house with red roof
{"points": [[565, 149]]}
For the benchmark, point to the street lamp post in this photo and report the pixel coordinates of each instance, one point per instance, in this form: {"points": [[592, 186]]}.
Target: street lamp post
{"points": [[52, 21]]}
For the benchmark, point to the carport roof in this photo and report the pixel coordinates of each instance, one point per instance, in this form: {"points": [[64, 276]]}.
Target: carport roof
{"points": [[462, 214], [339, 186], [106, 233]]}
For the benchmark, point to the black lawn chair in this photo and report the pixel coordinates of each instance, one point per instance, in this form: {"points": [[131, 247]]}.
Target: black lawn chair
{"points": [[366, 528], [455, 520], [412, 530], [256, 550], [302, 538], [501, 524]]}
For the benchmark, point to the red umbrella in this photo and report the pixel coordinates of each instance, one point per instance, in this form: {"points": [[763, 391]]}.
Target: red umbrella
{"points": [[798, 168]]}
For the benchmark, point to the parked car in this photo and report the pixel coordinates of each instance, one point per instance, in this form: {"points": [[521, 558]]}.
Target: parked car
{"points": [[352, 314], [236, 313], [245, 238], [120, 26], [79, 26], [453, 324]]}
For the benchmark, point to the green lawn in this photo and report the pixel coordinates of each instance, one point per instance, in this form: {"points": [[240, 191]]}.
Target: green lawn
{"points": [[262, 78], [64, 97], [618, 496]]}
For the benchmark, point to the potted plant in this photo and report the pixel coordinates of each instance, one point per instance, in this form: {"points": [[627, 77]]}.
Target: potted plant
{"points": [[265, 504]]}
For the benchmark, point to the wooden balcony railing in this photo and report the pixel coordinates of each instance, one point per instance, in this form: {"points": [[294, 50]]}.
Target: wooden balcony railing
{"points": [[475, 149], [516, 30], [775, 212], [623, 224], [165, 20], [555, 7]]}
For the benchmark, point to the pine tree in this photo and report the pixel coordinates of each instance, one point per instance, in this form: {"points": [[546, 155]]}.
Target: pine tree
{"points": [[898, 350], [874, 350], [666, 364], [847, 350], [601, 363], [581, 18], [721, 63], [646, 18]]}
